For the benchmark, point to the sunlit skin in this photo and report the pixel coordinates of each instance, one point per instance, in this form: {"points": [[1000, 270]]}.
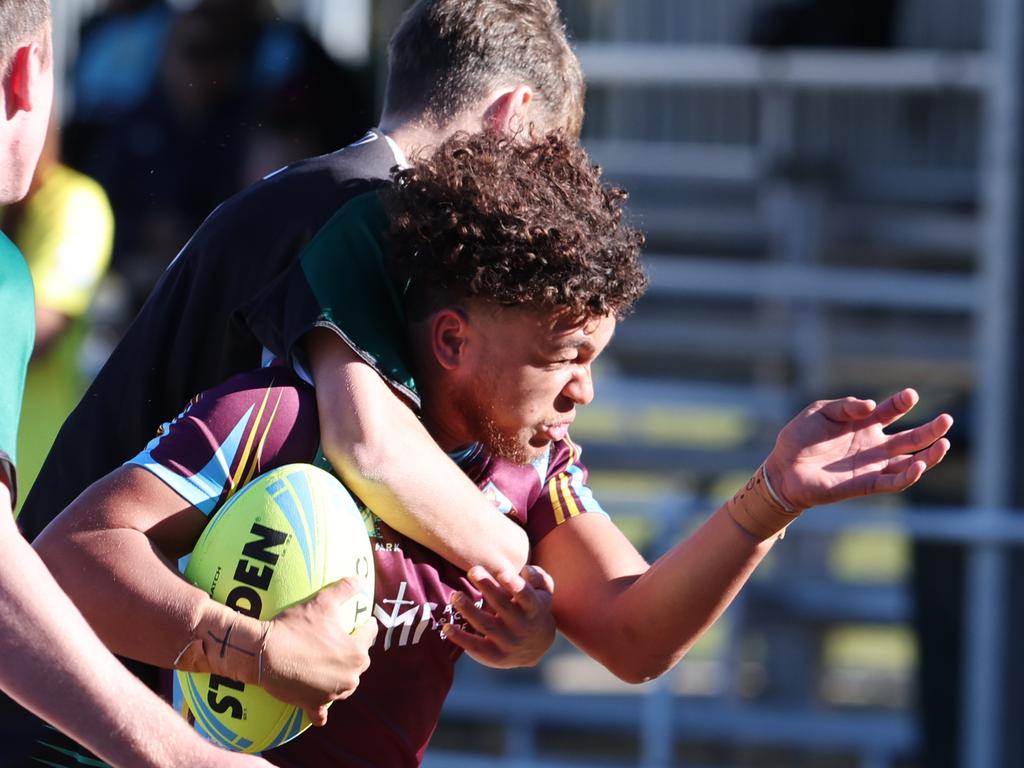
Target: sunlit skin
{"points": [[27, 100], [512, 376]]}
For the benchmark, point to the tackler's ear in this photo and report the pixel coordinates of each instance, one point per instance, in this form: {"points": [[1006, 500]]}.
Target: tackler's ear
{"points": [[449, 337], [509, 108]]}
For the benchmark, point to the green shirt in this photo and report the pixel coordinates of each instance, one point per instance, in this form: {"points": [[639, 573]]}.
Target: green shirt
{"points": [[341, 283], [16, 341]]}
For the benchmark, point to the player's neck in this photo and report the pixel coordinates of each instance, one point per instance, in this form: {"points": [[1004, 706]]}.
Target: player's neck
{"points": [[414, 136]]}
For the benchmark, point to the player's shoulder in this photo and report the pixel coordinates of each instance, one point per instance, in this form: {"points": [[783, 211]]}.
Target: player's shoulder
{"points": [[360, 166], [274, 388], [291, 204], [563, 456]]}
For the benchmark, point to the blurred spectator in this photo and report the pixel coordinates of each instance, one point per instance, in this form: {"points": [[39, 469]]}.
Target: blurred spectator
{"points": [[825, 23], [169, 161], [64, 227], [237, 94], [118, 57]]}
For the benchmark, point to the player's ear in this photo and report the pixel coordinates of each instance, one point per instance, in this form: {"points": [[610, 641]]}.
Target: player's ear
{"points": [[23, 75], [449, 334], [508, 110]]}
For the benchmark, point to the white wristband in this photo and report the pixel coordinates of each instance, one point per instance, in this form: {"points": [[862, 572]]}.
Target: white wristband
{"points": [[775, 496]]}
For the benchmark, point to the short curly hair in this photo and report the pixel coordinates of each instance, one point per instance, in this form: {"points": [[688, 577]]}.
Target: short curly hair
{"points": [[516, 223]]}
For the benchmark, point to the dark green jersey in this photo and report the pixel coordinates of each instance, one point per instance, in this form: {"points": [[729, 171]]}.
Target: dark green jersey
{"points": [[16, 343], [340, 282]]}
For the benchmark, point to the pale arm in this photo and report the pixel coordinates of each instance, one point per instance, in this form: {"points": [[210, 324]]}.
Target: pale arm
{"points": [[368, 434], [112, 549], [84, 691], [639, 621]]}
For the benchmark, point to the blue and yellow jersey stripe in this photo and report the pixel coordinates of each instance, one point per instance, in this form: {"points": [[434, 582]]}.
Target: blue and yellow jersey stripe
{"points": [[568, 490]]}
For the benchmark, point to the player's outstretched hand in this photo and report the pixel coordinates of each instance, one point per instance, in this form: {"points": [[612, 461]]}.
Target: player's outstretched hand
{"points": [[515, 627], [310, 659], [839, 449]]}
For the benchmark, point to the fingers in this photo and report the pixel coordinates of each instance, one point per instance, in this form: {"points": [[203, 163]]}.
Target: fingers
{"points": [[484, 622], [854, 408], [311, 658], [896, 406], [907, 442], [498, 592], [537, 578], [511, 602], [913, 440], [480, 648], [903, 471], [843, 410]]}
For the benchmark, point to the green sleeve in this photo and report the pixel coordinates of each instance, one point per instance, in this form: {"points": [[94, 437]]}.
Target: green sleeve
{"points": [[16, 343], [340, 282]]}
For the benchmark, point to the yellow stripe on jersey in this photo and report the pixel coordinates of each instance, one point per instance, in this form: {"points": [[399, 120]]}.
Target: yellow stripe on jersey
{"points": [[555, 503], [559, 489], [570, 502], [236, 478], [254, 467]]}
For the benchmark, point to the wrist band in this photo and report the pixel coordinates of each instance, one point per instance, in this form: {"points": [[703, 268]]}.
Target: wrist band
{"points": [[269, 625], [757, 508], [226, 643], [775, 496]]}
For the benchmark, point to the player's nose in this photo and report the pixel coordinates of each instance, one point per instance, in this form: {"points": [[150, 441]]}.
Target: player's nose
{"points": [[580, 388]]}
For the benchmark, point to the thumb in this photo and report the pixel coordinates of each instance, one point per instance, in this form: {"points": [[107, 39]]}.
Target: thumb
{"points": [[847, 409], [366, 632], [345, 588]]}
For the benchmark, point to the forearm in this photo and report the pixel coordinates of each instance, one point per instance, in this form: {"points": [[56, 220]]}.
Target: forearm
{"points": [[385, 456], [431, 501], [134, 601], [639, 620], [127, 589], [658, 617], [57, 667]]}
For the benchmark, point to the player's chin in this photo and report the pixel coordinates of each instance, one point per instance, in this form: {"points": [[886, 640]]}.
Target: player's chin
{"points": [[528, 448], [536, 446]]}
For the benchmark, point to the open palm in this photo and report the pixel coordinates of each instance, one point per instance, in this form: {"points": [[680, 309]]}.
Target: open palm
{"points": [[839, 449]]}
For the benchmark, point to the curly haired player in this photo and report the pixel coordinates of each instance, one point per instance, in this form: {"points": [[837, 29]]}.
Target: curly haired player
{"points": [[509, 268]]}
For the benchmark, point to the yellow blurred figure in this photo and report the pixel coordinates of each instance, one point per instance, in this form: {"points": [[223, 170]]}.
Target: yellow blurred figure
{"points": [[65, 229]]}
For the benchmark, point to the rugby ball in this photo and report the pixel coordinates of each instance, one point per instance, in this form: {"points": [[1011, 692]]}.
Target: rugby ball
{"points": [[277, 541]]}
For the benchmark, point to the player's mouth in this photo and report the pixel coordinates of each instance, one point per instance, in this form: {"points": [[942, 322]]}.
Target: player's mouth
{"points": [[556, 431]]}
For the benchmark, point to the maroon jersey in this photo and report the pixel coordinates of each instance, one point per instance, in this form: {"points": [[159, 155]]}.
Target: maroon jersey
{"points": [[267, 418]]}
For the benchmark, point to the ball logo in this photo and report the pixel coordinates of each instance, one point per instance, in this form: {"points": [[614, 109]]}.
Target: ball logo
{"points": [[227, 705], [253, 579]]}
